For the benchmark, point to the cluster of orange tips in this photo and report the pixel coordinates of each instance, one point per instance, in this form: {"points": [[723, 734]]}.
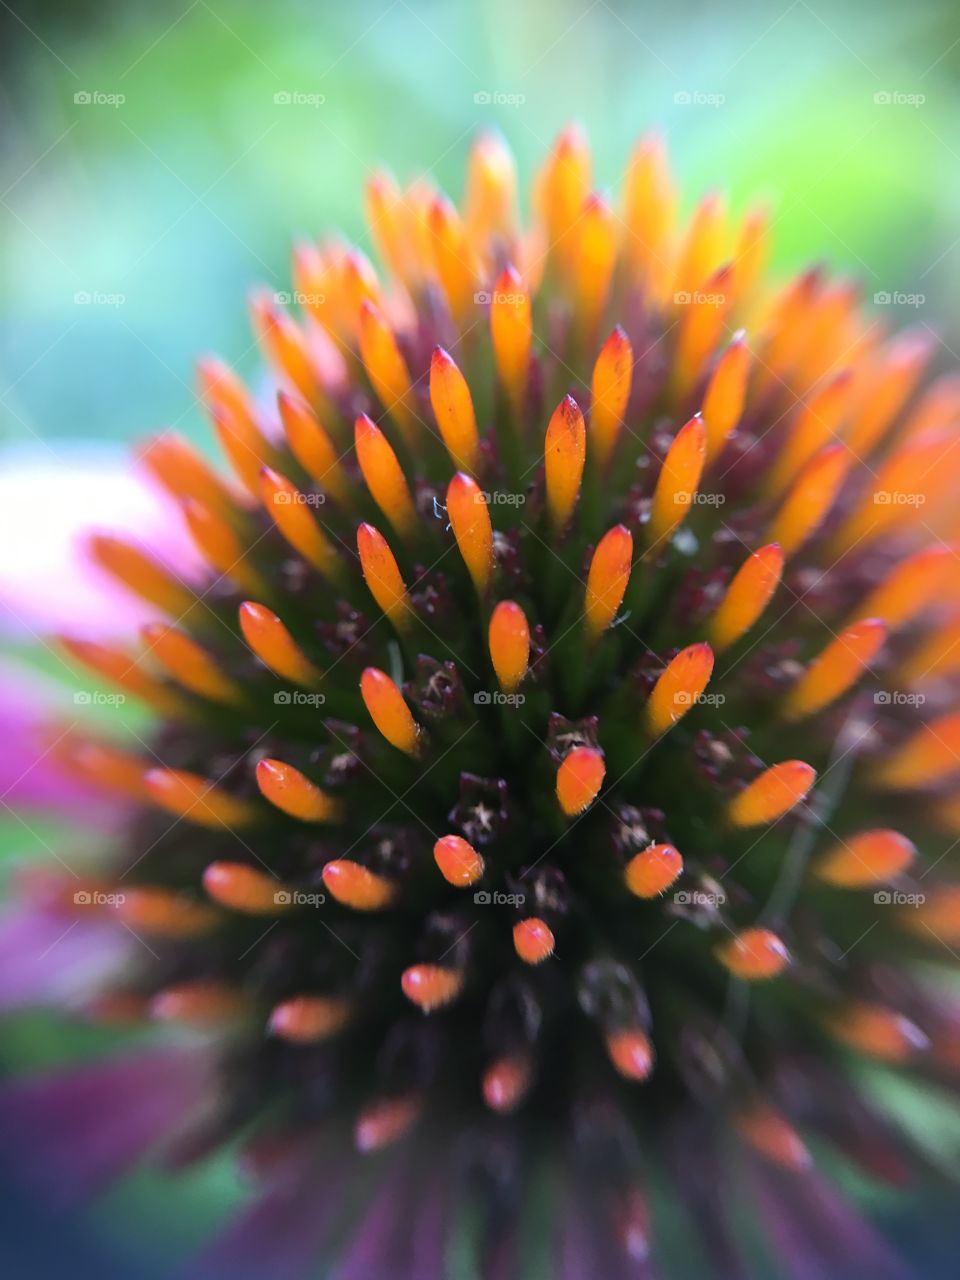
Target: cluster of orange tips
{"points": [[585, 618]]}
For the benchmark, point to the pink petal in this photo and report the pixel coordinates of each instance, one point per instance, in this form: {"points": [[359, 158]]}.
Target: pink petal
{"points": [[50, 500]]}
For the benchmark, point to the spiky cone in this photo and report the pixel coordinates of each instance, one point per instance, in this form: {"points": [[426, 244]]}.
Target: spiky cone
{"points": [[482, 830]]}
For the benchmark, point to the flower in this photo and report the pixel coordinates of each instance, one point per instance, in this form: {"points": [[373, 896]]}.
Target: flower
{"points": [[552, 791]]}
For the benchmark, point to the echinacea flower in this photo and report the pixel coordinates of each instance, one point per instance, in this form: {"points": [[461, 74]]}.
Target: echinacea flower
{"points": [[552, 799]]}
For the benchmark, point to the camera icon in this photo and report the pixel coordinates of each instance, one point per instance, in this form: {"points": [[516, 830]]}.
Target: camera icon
{"points": [[682, 299], [82, 299], [283, 898], [482, 99], [683, 898], [282, 298], [282, 698], [683, 98], [83, 98], [683, 698], [283, 98], [883, 897], [482, 897], [82, 698], [883, 98], [483, 698], [882, 299], [82, 898], [481, 299], [882, 698]]}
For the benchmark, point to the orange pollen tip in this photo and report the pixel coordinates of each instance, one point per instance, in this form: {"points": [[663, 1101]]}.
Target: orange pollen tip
{"points": [[275, 646], [190, 796], [459, 862], [308, 1019], [453, 409], [509, 640], [470, 520], [164, 913], [386, 1122], [389, 711], [579, 779], [775, 792], [837, 668], [653, 870], [565, 450], [607, 579], [358, 887], [772, 1137], [678, 482], [748, 594], [506, 1083], [878, 1032], [245, 889], [294, 794], [533, 940], [384, 476], [199, 1004], [679, 687], [609, 393], [865, 859], [754, 955], [631, 1053], [383, 577], [431, 986]]}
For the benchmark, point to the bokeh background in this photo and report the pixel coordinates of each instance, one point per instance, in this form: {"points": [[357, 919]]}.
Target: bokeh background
{"points": [[160, 156]]}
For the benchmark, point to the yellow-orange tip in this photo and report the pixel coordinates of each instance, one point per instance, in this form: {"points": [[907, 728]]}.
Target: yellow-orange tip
{"points": [[775, 792], [653, 870], [431, 986], [533, 940], [579, 779], [356, 886], [459, 862], [755, 955]]}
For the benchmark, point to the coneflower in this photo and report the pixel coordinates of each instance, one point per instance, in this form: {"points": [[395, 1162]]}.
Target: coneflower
{"points": [[552, 802]]}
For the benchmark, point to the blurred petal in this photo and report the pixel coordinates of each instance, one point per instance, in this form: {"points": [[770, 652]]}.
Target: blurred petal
{"points": [[49, 501]]}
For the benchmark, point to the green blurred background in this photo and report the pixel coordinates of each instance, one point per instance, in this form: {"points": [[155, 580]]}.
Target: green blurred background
{"points": [[183, 182], [190, 190]]}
